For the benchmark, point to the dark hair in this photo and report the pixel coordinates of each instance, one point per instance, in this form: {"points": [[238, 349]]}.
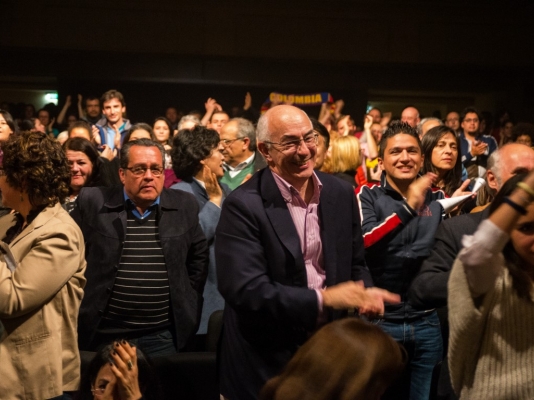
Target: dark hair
{"points": [[452, 178], [468, 110], [139, 126], [125, 150], [110, 95], [523, 128], [80, 124], [46, 110], [148, 383], [219, 112], [89, 98], [27, 124], [321, 130], [394, 129], [520, 278], [9, 120], [377, 109], [359, 358], [34, 161], [87, 148], [169, 125], [190, 147]]}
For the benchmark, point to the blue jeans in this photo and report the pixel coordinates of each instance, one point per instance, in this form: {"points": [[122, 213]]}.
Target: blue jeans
{"points": [[422, 340], [156, 345]]}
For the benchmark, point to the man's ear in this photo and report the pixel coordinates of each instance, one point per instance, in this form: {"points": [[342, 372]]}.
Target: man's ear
{"points": [[381, 163], [121, 175], [246, 143], [264, 150], [492, 180]]}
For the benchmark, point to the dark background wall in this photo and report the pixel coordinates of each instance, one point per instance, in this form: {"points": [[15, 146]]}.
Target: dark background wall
{"points": [[159, 53]]}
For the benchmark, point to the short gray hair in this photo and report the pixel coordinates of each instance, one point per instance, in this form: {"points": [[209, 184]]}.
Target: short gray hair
{"points": [[494, 164], [187, 118], [245, 128], [262, 129], [423, 121]]}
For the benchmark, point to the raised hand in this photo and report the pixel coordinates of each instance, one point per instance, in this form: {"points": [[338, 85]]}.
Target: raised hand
{"points": [[124, 367], [417, 190]]}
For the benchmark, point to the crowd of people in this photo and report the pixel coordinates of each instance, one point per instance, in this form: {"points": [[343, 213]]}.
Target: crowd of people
{"points": [[330, 248]]}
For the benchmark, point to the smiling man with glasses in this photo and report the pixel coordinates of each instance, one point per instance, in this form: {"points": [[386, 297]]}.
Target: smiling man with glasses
{"points": [[288, 250], [241, 160], [147, 257]]}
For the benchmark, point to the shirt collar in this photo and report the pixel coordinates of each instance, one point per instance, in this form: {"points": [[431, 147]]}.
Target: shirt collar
{"points": [[241, 165], [288, 191], [131, 206]]}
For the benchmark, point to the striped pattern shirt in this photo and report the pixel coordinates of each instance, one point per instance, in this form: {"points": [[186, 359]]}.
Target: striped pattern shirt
{"points": [[140, 295], [306, 220]]}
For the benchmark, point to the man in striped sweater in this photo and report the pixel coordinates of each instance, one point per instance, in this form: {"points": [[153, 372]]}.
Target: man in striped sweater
{"points": [[147, 257]]}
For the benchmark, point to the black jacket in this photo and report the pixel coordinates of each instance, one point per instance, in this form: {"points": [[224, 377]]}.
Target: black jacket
{"points": [[101, 215]]}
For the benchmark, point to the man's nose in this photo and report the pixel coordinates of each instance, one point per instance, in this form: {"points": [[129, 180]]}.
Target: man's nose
{"points": [[404, 156], [302, 148]]}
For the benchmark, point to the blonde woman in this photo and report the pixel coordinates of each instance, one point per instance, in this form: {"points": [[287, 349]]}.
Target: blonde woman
{"points": [[346, 158]]}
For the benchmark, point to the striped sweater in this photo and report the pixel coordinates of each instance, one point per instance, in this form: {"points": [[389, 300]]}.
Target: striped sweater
{"points": [[491, 343]]}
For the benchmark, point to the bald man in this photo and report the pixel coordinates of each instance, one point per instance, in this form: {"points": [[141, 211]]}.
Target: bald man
{"points": [[410, 115], [286, 259]]}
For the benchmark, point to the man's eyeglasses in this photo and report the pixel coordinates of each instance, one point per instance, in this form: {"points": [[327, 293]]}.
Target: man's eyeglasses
{"points": [[292, 145], [228, 142], [468, 120], [141, 171]]}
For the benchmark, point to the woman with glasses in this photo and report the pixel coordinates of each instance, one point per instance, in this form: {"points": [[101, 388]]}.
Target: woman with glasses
{"points": [[42, 265], [197, 160]]}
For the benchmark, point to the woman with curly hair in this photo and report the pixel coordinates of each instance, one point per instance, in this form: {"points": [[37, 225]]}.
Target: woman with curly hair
{"points": [[42, 264], [197, 160]]}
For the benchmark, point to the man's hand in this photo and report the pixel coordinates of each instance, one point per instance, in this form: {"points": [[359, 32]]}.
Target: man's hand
{"points": [[339, 104], [354, 295], [80, 99], [68, 101], [211, 105], [368, 122], [248, 101], [117, 138], [108, 153], [478, 148], [386, 117], [462, 190], [417, 190], [96, 135], [51, 124], [246, 178]]}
